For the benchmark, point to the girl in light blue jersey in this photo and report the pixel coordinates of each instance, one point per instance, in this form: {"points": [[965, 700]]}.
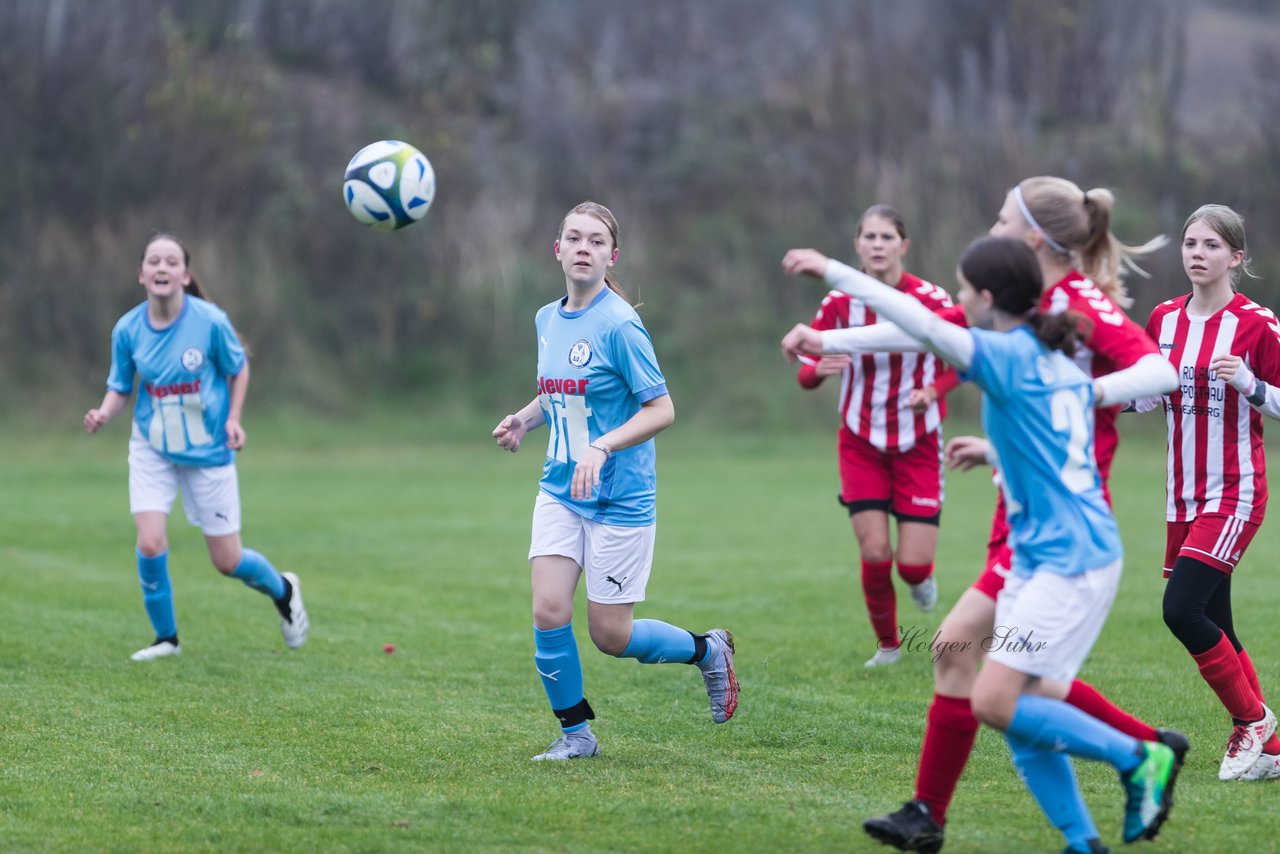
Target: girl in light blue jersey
{"points": [[1037, 409], [602, 395], [193, 374]]}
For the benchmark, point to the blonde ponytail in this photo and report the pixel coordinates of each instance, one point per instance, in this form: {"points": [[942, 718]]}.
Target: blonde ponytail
{"points": [[1077, 225]]}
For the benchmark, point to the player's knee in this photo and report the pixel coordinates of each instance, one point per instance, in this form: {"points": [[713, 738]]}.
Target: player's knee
{"points": [[610, 640], [875, 550], [551, 615], [953, 660], [1190, 626], [152, 545], [1179, 615], [225, 565], [991, 709]]}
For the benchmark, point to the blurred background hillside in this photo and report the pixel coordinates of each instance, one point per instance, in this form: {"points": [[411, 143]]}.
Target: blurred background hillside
{"points": [[721, 132]]}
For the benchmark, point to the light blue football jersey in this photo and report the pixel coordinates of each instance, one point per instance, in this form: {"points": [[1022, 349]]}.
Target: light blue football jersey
{"points": [[596, 366], [182, 370], [1037, 410]]}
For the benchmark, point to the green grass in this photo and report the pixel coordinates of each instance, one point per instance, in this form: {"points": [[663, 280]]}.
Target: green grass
{"points": [[407, 535]]}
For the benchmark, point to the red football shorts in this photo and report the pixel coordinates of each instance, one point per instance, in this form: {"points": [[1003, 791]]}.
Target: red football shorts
{"points": [[992, 580], [908, 483], [1212, 539], [999, 555]]}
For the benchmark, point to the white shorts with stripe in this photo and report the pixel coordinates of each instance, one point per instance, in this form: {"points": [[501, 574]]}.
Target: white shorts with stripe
{"points": [[1046, 624], [615, 560], [210, 495]]}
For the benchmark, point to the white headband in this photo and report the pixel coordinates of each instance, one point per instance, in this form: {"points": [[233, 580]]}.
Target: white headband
{"points": [[1026, 214]]}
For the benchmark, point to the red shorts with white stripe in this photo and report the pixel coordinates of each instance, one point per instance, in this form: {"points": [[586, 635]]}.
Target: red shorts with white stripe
{"points": [[1212, 539], [906, 483]]}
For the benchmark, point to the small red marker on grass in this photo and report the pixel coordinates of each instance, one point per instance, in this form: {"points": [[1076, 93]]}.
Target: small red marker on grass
{"points": [[388, 648]]}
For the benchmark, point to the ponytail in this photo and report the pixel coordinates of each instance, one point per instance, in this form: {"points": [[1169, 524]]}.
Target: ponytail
{"points": [[614, 286], [1058, 331], [192, 287], [1077, 226], [1104, 258]]}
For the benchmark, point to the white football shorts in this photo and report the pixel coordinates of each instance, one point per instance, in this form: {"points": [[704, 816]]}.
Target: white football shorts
{"points": [[616, 560], [1046, 624], [210, 496]]}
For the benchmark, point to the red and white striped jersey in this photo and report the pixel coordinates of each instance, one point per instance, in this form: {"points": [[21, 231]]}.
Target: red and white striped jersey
{"points": [[1112, 342], [875, 388], [1216, 460]]}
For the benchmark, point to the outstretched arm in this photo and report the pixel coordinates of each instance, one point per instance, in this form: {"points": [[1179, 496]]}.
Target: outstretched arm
{"points": [[952, 343], [1150, 376], [876, 338]]}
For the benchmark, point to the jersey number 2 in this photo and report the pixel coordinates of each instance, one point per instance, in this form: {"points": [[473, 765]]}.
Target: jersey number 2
{"points": [[1070, 417]]}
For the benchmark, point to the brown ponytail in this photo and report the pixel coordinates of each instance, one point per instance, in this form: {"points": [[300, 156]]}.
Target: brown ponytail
{"points": [[1058, 331]]}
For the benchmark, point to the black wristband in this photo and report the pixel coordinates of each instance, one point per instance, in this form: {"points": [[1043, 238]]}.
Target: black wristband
{"points": [[1259, 395]]}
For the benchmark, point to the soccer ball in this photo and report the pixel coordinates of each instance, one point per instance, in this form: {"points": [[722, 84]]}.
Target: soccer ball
{"points": [[388, 185]]}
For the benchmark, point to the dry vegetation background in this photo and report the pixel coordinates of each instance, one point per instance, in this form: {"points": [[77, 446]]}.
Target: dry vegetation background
{"points": [[721, 132]]}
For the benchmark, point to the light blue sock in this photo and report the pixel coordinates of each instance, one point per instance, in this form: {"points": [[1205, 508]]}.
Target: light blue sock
{"points": [[656, 642], [1056, 726], [556, 658], [1052, 782], [157, 594], [257, 572]]}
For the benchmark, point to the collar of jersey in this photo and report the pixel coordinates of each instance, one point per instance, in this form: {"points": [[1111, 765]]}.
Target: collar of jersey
{"points": [[1201, 318], [604, 292], [186, 306]]}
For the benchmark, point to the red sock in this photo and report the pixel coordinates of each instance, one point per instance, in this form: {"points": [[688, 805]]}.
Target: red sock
{"points": [[1272, 747], [882, 607], [949, 732], [914, 573], [1246, 664], [1220, 667], [1090, 700]]}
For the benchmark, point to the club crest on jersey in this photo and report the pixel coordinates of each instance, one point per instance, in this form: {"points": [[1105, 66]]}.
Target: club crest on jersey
{"points": [[580, 353], [192, 358]]}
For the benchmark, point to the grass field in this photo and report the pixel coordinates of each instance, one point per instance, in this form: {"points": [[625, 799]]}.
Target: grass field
{"points": [[407, 535]]}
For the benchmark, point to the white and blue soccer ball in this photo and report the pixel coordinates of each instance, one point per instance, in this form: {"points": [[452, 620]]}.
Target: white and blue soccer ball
{"points": [[388, 185]]}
